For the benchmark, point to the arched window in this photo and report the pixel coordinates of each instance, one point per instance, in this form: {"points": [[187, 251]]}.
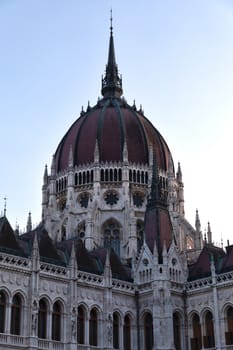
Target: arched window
{"points": [[2, 312], [116, 331], [56, 321], [111, 175], [75, 179], [130, 175], [93, 330], [229, 324], [16, 314], [102, 175], [209, 341], [112, 236], [127, 333], [148, 332], [196, 341], [81, 325], [115, 175], [140, 235], [42, 319], [176, 331], [134, 175], [120, 175]]}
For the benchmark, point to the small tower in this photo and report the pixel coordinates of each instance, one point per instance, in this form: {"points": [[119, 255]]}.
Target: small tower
{"points": [[29, 222], [198, 233], [209, 234], [180, 190]]}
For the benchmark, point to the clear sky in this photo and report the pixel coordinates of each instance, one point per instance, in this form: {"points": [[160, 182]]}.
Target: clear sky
{"points": [[176, 59]]}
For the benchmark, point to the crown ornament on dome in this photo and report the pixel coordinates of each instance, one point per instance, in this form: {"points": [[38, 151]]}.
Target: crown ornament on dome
{"points": [[112, 81]]}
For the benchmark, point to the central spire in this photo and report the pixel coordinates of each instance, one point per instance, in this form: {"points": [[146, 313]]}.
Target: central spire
{"points": [[112, 82]]}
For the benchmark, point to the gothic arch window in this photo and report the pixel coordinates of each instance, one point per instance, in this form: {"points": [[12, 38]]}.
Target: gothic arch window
{"points": [[56, 321], [93, 328], [229, 326], [102, 175], [140, 234], [116, 329], [111, 232], [127, 333], [2, 311], [81, 325], [208, 338], [148, 332], [115, 175], [142, 177], [42, 319], [16, 310], [177, 331], [134, 175], [196, 341], [120, 175], [130, 175]]}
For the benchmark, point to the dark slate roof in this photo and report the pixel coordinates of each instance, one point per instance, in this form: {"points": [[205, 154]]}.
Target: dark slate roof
{"points": [[227, 261], [202, 267], [94, 261], [8, 241], [47, 250]]}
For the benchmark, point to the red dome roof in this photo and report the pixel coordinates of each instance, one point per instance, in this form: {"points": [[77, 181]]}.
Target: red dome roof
{"points": [[112, 122]]}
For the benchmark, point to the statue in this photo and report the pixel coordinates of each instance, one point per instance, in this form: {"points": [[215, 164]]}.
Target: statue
{"points": [[73, 323], [34, 317], [110, 328]]}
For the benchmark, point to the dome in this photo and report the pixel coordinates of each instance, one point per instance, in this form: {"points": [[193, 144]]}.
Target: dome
{"points": [[113, 126]]}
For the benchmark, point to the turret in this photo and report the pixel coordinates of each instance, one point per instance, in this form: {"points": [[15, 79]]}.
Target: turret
{"points": [[198, 234], [29, 222], [180, 190], [209, 234]]}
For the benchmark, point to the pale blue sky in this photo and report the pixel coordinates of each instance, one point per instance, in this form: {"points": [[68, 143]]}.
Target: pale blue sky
{"points": [[176, 59]]}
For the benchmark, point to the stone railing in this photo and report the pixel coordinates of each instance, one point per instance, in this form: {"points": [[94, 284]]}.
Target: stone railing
{"points": [[224, 277], [14, 340], [88, 347], [53, 269], [15, 261], [197, 284], [50, 345], [86, 277], [123, 285]]}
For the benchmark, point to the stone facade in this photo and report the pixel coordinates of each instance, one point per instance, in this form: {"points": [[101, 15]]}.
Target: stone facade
{"points": [[114, 264]]}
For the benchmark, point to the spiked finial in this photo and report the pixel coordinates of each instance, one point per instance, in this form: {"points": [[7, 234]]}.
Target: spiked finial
{"points": [[112, 82]]}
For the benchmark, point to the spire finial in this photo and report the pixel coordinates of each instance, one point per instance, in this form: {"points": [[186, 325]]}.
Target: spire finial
{"points": [[111, 27], [111, 82], [5, 199]]}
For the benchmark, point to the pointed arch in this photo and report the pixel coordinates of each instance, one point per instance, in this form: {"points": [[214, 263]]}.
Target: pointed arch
{"points": [[3, 302], [81, 320], [42, 318], [16, 312], [148, 331], [112, 235], [93, 327], [229, 325], [177, 330], [127, 332], [56, 321], [208, 339], [196, 340], [116, 330]]}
